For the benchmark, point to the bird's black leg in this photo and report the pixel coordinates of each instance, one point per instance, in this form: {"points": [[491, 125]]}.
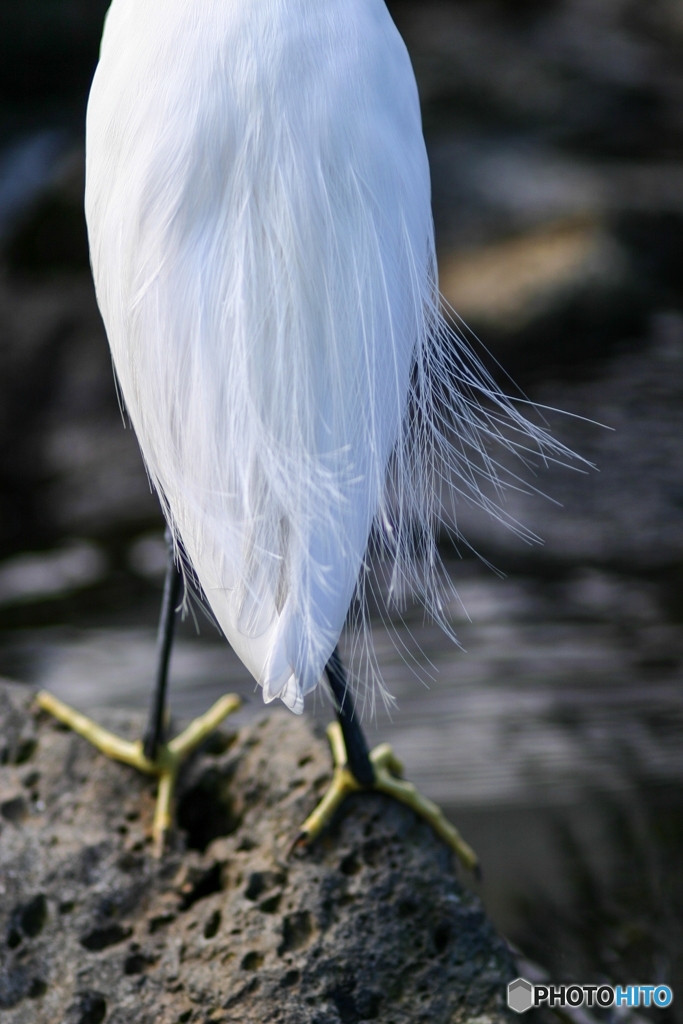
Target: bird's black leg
{"points": [[356, 769], [154, 756], [357, 753], [154, 734]]}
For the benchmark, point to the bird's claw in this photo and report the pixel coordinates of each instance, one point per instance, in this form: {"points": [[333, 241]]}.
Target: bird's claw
{"points": [[388, 770], [167, 761]]}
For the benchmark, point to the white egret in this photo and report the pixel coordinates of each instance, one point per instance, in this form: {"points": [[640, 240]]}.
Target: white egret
{"points": [[261, 237]]}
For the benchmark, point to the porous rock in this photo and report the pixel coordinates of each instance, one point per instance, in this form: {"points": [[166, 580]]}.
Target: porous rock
{"points": [[369, 924]]}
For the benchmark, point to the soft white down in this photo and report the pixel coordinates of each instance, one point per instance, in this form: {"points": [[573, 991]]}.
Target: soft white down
{"points": [[258, 208]]}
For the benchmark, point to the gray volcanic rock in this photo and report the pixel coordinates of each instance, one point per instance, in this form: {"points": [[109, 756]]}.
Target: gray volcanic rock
{"points": [[370, 924]]}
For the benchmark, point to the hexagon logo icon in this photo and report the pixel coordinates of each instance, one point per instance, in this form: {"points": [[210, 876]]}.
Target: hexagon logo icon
{"points": [[520, 995]]}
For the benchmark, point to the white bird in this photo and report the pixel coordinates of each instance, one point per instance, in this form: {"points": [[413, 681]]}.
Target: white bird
{"points": [[262, 244]]}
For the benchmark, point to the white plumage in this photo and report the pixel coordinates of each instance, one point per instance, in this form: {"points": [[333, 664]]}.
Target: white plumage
{"points": [[258, 207]]}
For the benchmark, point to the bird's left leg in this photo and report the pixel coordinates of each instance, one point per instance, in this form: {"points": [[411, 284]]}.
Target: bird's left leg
{"points": [[152, 755], [156, 722], [356, 769]]}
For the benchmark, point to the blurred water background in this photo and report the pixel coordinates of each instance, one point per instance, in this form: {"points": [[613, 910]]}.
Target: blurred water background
{"points": [[554, 737]]}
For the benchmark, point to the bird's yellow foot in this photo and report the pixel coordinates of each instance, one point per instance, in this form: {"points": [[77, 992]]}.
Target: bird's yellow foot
{"points": [[165, 765], [388, 771]]}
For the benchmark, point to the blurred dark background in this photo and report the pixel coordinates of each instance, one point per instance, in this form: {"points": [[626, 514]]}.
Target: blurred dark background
{"points": [[555, 133]]}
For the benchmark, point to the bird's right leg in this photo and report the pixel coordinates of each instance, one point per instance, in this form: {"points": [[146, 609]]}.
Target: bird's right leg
{"points": [[353, 769], [357, 753], [356, 769]]}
